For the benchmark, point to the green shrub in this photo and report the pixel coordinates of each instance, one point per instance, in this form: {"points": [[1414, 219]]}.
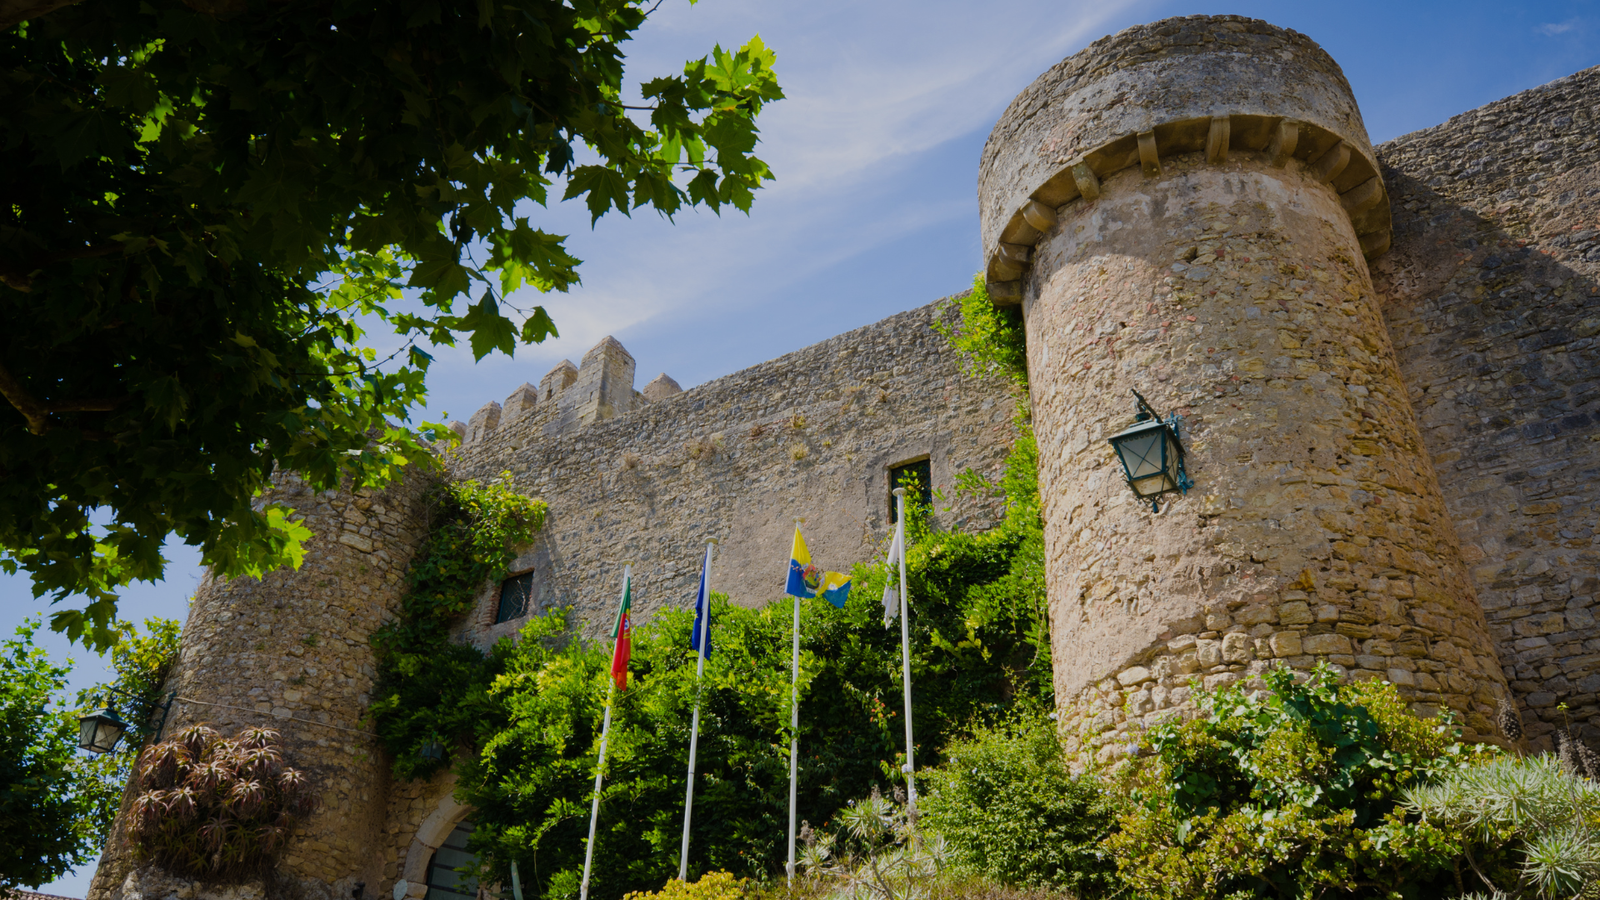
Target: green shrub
{"points": [[1531, 829], [1011, 811], [1292, 793], [711, 886]]}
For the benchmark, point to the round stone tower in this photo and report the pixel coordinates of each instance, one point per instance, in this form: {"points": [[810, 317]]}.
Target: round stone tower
{"points": [[291, 651], [1186, 208]]}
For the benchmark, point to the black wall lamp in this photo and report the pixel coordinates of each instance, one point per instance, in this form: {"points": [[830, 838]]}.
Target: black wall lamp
{"points": [[1152, 455], [101, 730]]}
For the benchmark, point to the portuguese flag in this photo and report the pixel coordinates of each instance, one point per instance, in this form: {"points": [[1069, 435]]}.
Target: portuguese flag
{"points": [[622, 634]]}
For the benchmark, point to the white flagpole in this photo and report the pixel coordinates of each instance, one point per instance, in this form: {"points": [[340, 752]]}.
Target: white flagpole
{"points": [[594, 810], [694, 727], [600, 767], [905, 653], [794, 727]]}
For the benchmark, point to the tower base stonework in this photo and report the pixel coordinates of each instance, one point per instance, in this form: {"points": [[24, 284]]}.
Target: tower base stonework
{"points": [[1211, 255], [292, 652]]}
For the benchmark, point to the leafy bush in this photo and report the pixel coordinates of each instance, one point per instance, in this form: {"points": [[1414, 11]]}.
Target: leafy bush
{"points": [[1295, 793], [216, 807], [711, 886], [972, 655], [1012, 811], [1532, 830]]}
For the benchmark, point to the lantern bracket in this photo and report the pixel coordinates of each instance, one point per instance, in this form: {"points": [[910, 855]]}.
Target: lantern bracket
{"points": [[1174, 423], [129, 697]]}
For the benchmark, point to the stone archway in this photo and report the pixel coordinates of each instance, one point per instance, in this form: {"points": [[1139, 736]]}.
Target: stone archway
{"points": [[413, 883]]}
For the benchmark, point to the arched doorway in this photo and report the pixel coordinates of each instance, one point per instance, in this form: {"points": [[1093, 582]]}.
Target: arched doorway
{"points": [[444, 882]]}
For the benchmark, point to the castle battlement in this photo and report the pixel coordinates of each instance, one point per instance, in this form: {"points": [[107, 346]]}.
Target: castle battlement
{"points": [[571, 397]]}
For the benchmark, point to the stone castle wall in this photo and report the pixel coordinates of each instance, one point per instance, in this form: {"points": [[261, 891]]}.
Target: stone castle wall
{"points": [[810, 434], [1492, 297]]}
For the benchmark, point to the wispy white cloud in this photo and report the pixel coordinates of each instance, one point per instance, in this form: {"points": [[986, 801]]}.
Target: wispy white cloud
{"points": [[1554, 28], [871, 92]]}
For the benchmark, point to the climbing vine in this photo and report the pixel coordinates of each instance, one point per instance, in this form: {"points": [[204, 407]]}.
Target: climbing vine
{"points": [[431, 692], [990, 338]]}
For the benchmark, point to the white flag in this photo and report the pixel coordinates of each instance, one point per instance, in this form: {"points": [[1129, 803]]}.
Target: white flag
{"points": [[891, 593]]}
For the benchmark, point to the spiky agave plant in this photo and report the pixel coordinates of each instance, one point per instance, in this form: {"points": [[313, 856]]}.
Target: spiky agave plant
{"points": [[1531, 827], [216, 807], [875, 852]]}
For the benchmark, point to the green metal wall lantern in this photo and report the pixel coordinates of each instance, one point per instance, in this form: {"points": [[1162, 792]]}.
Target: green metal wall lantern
{"points": [[101, 730], [1152, 455]]}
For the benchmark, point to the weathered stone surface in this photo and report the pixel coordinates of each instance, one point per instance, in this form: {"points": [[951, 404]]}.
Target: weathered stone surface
{"points": [[1206, 84], [661, 388], [810, 434], [1233, 292], [290, 651], [1493, 287]]}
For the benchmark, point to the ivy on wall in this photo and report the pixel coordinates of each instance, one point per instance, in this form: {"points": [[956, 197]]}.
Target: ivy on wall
{"points": [[433, 692]]}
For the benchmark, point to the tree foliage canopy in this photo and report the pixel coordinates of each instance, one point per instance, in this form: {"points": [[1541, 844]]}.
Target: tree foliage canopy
{"points": [[48, 797], [205, 202]]}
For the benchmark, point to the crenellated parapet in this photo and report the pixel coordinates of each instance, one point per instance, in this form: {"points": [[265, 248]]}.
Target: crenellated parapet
{"points": [[571, 397], [1218, 87]]}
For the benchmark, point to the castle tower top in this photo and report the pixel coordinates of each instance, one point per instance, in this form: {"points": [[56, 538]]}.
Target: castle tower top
{"points": [[1211, 83], [1182, 209]]}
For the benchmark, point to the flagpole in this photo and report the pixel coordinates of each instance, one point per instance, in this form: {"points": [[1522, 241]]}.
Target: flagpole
{"points": [[594, 809], [794, 728], [905, 655], [600, 767], [694, 727]]}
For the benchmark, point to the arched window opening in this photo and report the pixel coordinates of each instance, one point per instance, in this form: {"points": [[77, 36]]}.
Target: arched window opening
{"points": [[444, 882]]}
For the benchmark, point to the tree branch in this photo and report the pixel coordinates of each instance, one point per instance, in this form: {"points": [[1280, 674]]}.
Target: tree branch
{"points": [[37, 413], [23, 281]]}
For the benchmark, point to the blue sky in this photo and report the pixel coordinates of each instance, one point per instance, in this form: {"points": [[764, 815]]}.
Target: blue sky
{"points": [[876, 152]]}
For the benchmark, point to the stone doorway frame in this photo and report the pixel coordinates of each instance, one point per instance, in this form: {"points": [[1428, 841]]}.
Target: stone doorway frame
{"points": [[413, 883]]}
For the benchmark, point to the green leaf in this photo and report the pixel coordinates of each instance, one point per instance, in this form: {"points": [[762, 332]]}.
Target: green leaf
{"points": [[490, 330], [604, 189], [538, 326], [446, 277]]}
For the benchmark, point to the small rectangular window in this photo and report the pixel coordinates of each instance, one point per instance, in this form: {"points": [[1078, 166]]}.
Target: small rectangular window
{"points": [[516, 596], [917, 478]]}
